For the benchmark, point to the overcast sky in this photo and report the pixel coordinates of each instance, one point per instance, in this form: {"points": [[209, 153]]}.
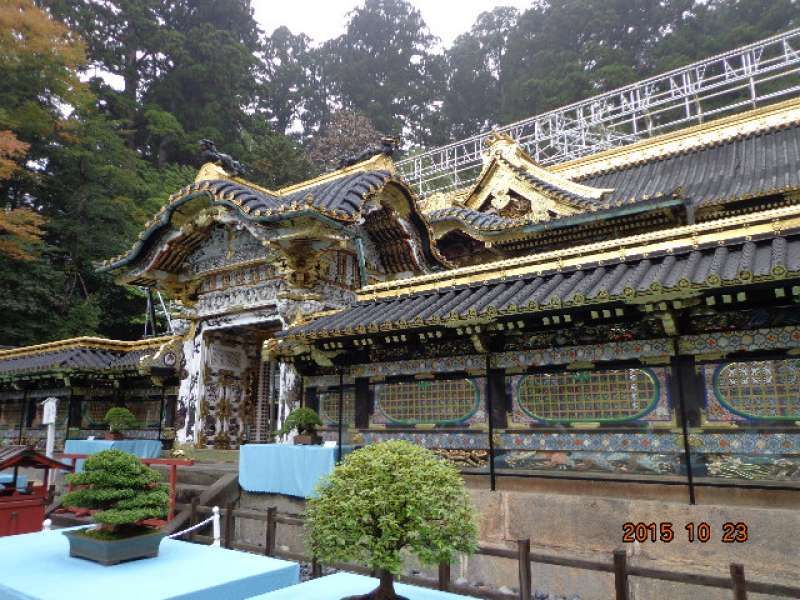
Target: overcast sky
{"points": [[324, 19]]}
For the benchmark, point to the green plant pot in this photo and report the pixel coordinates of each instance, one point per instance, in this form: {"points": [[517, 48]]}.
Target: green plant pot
{"points": [[112, 552], [308, 439]]}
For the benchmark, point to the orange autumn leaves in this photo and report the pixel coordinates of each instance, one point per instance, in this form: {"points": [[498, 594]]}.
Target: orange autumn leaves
{"points": [[31, 41]]}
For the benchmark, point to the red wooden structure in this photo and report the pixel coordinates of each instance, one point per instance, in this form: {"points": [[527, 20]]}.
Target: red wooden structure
{"points": [[22, 510], [172, 463]]}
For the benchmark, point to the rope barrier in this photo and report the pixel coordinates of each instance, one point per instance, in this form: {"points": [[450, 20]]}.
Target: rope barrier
{"points": [[214, 519]]}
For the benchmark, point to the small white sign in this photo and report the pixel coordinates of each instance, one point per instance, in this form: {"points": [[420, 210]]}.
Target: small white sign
{"points": [[49, 412]]}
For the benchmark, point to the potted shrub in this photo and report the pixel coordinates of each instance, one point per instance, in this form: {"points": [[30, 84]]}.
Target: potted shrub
{"points": [[122, 494], [118, 420], [305, 421], [386, 498]]}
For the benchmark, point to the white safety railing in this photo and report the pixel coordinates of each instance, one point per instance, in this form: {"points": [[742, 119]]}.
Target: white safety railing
{"points": [[736, 80], [47, 525], [214, 519]]}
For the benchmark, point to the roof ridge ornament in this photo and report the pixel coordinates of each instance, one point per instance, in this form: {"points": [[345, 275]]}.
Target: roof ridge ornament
{"points": [[389, 145], [210, 154]]}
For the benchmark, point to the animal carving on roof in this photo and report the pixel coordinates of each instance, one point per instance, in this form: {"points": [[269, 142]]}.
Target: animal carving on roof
{"points": [[388, 147], [209, 153]]}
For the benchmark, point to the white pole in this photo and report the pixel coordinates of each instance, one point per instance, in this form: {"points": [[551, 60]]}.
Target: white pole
{"points": [[47, 525], [49, 410], [215, 526]]}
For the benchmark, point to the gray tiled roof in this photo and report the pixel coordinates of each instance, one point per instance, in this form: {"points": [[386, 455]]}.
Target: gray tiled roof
{"points": [[708, 267], [344, 195], [747, 167], [72, 359]]}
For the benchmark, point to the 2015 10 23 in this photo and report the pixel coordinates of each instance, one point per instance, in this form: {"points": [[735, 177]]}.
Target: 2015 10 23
{"points": [[732, 532]]}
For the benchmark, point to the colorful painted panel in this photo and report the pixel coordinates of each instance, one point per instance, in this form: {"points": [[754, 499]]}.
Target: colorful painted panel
{"points": [[634, 349], [760, 389], [439, 402], [736, 341], [579, 396], [329, 407]]}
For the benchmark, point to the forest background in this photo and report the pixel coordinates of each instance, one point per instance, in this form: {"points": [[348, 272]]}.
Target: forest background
{"points": [[83, 163]]}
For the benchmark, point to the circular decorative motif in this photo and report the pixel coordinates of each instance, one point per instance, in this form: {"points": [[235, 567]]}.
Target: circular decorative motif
{"points": [[170, 359]]}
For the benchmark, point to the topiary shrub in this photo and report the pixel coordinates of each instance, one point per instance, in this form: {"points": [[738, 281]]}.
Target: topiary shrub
{"points": [[386, 498], [121, 489], [305, 420], [120, 418]]}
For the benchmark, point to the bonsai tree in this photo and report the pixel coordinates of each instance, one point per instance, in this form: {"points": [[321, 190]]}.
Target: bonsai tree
{"points": [[122, 490], [386, 498], [120, 418], [305, 420]]}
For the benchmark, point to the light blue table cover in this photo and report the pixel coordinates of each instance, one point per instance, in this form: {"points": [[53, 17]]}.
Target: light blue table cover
{"points": [[285, 468], [37, 566], [6, 478], [340, 585], [140, 448]]}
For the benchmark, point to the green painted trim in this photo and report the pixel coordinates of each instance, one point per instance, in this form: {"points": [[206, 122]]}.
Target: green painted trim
{"points": [[415, 422], [638, 415], [741, 413]]}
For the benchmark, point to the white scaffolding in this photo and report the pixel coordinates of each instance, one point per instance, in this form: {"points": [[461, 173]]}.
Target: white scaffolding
{"points": [[737, 80]]}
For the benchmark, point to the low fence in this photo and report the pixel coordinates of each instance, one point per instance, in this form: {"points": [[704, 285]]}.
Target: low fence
{"points": [[618, 564]]}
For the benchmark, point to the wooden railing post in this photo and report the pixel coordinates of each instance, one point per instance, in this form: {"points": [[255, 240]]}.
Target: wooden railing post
{"points": [[228, 532], [444, 577], [269, 541], [316, 569], [621, 575], [193, 517], [173, 482], [524, 566], [739, 582]]}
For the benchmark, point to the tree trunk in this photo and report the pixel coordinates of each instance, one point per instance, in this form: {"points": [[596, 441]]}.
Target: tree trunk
{"points": [[385, 590]]}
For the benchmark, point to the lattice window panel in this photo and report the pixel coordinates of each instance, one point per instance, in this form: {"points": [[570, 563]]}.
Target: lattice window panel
{"points": [[612, 395], [439, 402], [761, 389], [329, 407]]}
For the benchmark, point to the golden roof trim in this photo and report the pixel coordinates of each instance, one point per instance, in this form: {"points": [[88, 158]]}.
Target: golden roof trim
{"points": [[211, 171], [87, 342], [379, 162], [767, 222], [671, 143]]}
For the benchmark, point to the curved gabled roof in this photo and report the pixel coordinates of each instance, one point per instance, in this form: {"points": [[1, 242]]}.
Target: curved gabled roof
{"points": [[337, 199]]}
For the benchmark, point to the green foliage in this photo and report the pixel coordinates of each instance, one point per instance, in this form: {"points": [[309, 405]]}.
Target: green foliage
{"points": [[120, 488], [386, 498], [305, 420], [120, 418]]}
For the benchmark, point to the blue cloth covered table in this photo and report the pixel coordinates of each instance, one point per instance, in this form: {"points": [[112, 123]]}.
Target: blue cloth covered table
{"points": [[340, 585], [140, 448], [37, 566], [7, 478], [285, 468]]}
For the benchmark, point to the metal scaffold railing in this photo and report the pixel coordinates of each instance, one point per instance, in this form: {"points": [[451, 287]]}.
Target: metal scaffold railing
{"points": [[736, 80]]}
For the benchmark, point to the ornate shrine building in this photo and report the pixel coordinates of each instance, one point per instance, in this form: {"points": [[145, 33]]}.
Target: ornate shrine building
{"points": [[88, 376], [629, 314]]}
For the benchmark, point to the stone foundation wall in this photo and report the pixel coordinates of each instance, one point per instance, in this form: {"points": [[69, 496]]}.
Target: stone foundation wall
{"points": [[585, 519]]}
